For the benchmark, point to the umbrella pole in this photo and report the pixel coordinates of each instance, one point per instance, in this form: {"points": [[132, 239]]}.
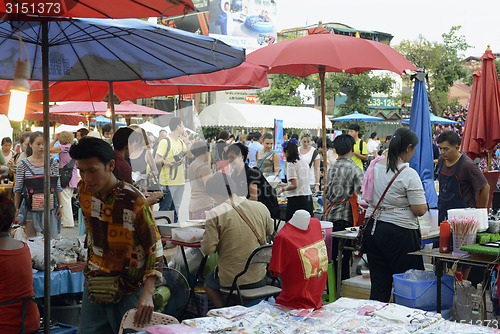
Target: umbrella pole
{"points": [[490, 157], [46, 177], [322, 69], [111, 103], [180, 106]]}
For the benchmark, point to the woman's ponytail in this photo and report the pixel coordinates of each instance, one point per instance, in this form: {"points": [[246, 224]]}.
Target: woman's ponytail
{"points": [[393, 154], [402, 138]]}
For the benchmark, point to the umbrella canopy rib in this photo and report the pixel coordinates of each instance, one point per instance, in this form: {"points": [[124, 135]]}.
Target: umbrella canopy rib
{"points": [[151, 54], [78, 58], [105, 47]]}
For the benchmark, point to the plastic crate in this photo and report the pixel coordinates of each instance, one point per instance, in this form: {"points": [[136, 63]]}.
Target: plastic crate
{"points": [[61, 329], [422, 294]]}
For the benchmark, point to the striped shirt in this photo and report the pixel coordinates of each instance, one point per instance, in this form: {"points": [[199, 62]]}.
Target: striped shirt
{"points": [[26, 169], [344, 178], [122, 236]]}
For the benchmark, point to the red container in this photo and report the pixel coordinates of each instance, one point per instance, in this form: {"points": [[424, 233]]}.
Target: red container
{"points": [[444, 237]]}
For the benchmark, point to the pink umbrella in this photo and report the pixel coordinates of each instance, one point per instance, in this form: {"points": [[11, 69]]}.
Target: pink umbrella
{"points": [[63, 118], [130, 108], [100, 108], [89, 108]]}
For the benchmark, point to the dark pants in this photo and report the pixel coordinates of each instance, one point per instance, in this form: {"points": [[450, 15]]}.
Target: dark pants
{"points": [[387, 250], [295, 203], [340, 225]]}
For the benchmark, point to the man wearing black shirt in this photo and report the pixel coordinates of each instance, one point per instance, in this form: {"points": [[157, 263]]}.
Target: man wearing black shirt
{"points": [[250, 182], [219, 155]]}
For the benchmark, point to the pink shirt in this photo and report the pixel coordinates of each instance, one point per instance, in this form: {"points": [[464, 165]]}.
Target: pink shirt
{"points": [[65, 158]]}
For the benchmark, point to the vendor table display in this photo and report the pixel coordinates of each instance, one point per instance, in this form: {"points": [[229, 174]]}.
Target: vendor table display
{"points": [[343, 316]]}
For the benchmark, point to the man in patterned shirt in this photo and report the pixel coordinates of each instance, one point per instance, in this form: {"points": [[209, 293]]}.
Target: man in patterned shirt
{"points": [[344, 182], [122, 238]]}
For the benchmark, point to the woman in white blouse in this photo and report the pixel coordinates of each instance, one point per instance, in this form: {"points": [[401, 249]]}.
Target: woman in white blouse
{"points": [[394, 231], [312, 158], [299, 195]]}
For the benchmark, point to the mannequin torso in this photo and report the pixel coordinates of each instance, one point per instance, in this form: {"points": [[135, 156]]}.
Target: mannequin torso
{"points": [[301, 219]]}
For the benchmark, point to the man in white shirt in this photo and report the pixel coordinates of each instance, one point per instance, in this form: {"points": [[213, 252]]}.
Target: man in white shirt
{"points": [[254, 147], [372, 146]]}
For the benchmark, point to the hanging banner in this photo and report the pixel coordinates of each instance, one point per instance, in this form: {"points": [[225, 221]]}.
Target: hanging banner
{"points": [[278, 140], [249, 24]]}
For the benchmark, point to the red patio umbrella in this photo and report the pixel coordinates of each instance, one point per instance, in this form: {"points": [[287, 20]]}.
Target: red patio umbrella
{"points": [[469, 145], [98, 8], [482, 130], [31, 107], [244, 76], [322, 52], [488, 129]]}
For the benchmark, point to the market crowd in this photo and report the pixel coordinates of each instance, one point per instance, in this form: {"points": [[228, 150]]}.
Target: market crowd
{"points": [[241, 185]]}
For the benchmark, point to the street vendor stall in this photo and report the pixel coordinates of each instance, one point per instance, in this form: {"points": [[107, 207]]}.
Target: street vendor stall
{"points": [[343, 316]]}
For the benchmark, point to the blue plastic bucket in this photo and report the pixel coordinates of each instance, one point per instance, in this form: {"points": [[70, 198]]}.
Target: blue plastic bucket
{"points": [[422, 294]]}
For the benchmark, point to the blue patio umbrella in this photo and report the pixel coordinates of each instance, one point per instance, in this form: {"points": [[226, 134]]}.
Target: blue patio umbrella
{"points": [[434, 120], [420, 123], [101, 120], [356, 117], [112, 50]]}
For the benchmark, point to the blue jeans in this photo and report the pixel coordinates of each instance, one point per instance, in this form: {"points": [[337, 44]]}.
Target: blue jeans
{"points": [[105, 318], [172, 198]]}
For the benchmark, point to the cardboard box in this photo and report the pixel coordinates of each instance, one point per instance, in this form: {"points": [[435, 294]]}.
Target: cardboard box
{"points": [[356, 287]]}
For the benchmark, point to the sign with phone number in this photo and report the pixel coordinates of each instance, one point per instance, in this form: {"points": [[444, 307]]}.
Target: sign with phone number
{"points": [[384, 103]]}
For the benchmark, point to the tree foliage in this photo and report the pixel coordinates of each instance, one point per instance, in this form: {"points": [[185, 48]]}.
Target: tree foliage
{"points": [[441, 60], [359, 89], [283, 90]]}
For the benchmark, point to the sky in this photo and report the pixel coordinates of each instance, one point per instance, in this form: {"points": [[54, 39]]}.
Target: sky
{"points": [[405, 20]]}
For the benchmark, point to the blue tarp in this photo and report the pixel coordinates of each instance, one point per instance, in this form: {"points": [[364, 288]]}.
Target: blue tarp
{"points": [[61, 282], [101, 120]]}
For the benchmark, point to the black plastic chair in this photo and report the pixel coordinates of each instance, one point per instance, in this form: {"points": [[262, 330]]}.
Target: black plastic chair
{"points": [[260, 255]]}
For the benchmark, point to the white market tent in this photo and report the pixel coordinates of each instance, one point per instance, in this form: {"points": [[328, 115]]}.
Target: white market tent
{"points": [[60, 128], [155, 128], [260, 116], [151, 127]]}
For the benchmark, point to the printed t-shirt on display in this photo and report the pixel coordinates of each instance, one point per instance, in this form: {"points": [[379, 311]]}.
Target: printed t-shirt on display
{"points": [[300, 258]]}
